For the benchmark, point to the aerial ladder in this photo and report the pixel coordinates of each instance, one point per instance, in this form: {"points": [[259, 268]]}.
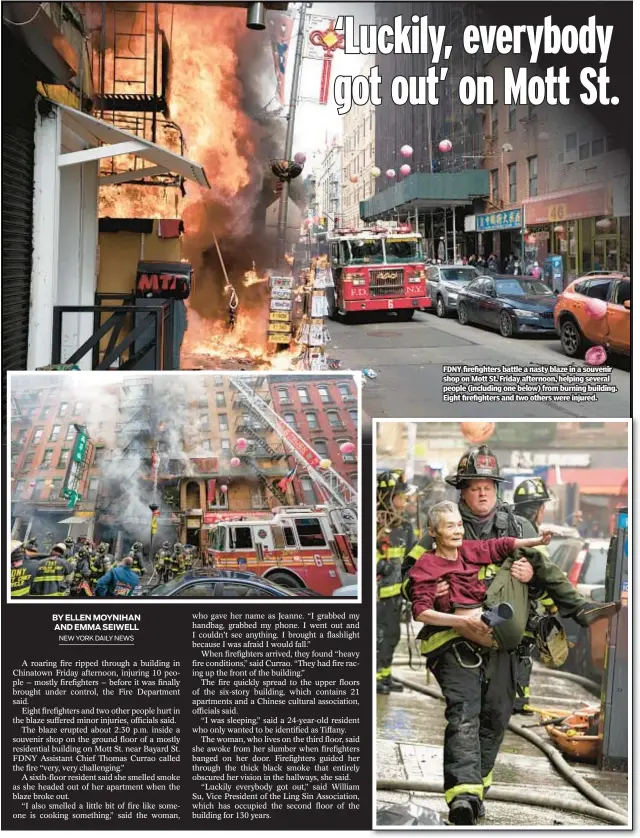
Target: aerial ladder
{"points": [[340, 494]]}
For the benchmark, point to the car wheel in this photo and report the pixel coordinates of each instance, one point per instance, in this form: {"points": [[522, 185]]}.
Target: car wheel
{"points": [[572, 340], [405, 314], [286, 580], [463, 315], [506, 325], [441, 309]]}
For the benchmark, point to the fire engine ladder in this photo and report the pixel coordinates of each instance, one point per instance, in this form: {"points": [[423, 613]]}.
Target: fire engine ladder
{"points": [[336, 487]]}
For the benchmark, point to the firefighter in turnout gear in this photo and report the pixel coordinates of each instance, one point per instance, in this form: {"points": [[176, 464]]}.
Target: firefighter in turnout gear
{"points": [[395, 539], [478, 681], [176, 561], [101, 562], [161, 562], [23, 570], [137, 565], [53, 575], [82, 577]]}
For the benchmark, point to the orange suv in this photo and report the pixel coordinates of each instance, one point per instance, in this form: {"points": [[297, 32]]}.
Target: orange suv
{"points": [[581, 321]]}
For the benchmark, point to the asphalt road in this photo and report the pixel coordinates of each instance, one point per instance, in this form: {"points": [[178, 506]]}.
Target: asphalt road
{"points": [[409, 357]]}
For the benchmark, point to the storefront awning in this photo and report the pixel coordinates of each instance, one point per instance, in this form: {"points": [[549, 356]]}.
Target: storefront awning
{"points": [[77, 519], [424, 191], [109, 141], [594, 481]]}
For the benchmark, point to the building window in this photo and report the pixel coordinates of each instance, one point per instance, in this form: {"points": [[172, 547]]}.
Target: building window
{"points": [[345, 392], [334, 419], [495, 186], [308, 493], [347, 458], [303, 394], [206, 444], [493, 118], [220, 402], [55, 433], [584, 152], [325, 396], [38, 490], [312, 419], [37, 436], [321, 448], [54, 491], [18, 491], [63, 409], [612, 143], [512, 117], [354, 416], [225, 445], [259, 499], [46, 459], [290, 419], [19, 440], [513, 183], [28, 462], [532, 163], [71, 433], [64, 458], [92, 491], [223, 422], [571, 142], [217, 380], [46, 412], [597, 147], [77, 409], [283, 396]]}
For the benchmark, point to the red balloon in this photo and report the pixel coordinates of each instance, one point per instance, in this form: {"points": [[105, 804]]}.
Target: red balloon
{"points": [[235, 462], [596, 356]]}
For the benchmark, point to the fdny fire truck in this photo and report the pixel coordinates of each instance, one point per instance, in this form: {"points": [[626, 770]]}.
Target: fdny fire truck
{"points": [[377, 270], [299, 547]]}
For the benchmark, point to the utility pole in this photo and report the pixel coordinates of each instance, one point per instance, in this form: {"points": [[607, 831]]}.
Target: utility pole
{"points": [[288, 142]]}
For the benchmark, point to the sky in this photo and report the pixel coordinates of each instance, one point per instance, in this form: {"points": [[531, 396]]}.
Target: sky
{"points": [[315, 121]]}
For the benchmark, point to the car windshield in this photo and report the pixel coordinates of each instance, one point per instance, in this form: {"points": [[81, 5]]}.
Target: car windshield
{"points": [[522, 288], [460, 276], [403, 250], [594, 567], [366, 251]]}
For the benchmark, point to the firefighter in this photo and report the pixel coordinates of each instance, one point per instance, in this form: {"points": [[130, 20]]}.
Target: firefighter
{"points": [[81, 585], [529, 499], [176, 561], [161, 562], [53, 575], [23, 570], [395, 539], [101, 562], [138, 561], [189, 556], [69, 543], [31, 548], [119, 580]]}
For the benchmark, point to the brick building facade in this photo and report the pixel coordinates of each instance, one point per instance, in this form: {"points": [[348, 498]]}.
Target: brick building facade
{"points": [[324, 411]]}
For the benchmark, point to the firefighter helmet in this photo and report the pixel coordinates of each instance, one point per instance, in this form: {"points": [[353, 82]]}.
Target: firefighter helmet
{"points": [[478, 464], [83, 553], [16, 546], [392, 483], [165, 545], [136, 545], [31, 543], [103, 547], [68, 541], [177, 546], [531, 490], [60, 548]]}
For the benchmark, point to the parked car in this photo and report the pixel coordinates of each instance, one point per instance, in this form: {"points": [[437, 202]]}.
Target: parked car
{"points": [[444, 283], [512, 304], [584, 560], [207, 583], [576, 316]]}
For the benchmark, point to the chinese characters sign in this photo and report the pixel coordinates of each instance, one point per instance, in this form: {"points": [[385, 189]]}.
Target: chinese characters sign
{"points": [[498, 220]]}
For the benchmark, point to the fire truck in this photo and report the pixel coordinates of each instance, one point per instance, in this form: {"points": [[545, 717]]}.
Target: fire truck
{"points": [[311, 546], [378, 270], [299, 547]]}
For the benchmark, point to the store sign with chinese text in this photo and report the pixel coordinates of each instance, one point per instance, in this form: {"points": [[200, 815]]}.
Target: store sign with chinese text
{"points": [[503, 220]]}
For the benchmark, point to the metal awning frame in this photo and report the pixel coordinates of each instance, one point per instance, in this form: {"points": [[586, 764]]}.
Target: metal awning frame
{"points": [[108, 141]]}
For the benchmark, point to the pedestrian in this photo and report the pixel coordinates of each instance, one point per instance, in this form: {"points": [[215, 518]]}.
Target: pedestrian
{"points": [[535, 271], [395, 539], [23, 570], [119, 581], [517, 268], [54, 574], [492, 264], [242, 564]]}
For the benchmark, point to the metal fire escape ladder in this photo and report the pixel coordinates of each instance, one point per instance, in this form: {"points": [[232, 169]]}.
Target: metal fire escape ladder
{"points": [[268, 484], [336, 487]]}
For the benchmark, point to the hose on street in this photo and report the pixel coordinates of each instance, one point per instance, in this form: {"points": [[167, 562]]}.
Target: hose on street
{"points": [[513, 796], [563, 767]]}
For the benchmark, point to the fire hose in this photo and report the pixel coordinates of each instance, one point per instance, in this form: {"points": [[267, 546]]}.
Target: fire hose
{"points": [[563, 767], [229, 290]]}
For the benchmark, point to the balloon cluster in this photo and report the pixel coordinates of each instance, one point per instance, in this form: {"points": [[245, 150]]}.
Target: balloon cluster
{"points": [[405, 169]]}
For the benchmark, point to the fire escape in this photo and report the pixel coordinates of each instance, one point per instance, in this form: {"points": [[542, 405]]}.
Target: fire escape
{"points": [[131, 72]]}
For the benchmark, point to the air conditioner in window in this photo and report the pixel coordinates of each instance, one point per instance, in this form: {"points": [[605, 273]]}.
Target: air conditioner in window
{"points": [[348, 398]]}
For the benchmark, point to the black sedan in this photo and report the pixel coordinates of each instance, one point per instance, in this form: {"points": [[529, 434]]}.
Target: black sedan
{"points": [[513, 304], [209, 583]]}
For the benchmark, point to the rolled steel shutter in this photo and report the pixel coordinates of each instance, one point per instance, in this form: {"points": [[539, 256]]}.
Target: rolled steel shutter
{"points": [[18, 126]]}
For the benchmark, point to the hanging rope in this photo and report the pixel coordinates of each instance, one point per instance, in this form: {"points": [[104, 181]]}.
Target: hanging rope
{"points": [[229, 290]]}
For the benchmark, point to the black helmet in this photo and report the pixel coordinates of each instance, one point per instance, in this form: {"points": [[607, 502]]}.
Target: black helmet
{"points": [[69, 541], [177, 546], [531, 490], [478, 464], [103, 547], [165, 544], [83, 553], [136, 545], [390, 484]]}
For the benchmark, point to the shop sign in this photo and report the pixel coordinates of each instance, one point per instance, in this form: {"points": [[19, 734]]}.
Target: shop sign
{"points": [[504, 220], [562, 206], [530, 459]]}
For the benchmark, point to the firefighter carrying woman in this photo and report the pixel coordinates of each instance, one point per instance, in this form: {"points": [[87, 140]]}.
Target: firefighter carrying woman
{"points": [[452, 587]]}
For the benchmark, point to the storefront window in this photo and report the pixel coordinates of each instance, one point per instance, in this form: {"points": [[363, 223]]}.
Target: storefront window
{"points": [[586, 238]]}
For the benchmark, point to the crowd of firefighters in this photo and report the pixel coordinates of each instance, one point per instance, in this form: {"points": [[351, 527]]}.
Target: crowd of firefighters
{"points": [[482, 680], [79, 568]]}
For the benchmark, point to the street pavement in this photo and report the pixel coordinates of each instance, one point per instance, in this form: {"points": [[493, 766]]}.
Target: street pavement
{"points": [[408, 359]]}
